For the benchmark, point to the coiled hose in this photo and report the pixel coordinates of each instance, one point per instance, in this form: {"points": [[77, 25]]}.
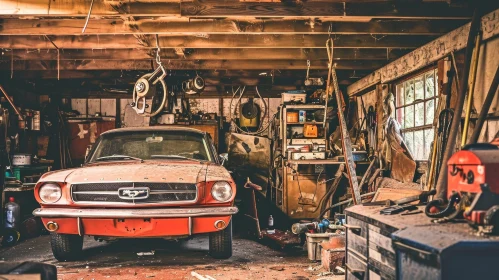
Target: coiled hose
{"points": [[448, 210]]}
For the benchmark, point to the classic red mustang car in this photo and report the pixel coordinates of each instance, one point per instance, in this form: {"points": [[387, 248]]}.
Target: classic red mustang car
{"points": [[140, 182]]}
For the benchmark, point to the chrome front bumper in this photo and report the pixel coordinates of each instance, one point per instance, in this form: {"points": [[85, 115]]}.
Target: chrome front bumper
{"points": [[134, 213]]}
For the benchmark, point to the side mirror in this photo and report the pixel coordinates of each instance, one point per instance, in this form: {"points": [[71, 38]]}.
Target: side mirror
{"points": [[87, 151], [224, 157]]}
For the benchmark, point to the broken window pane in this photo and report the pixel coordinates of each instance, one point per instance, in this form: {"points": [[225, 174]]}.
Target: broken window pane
{"points": [[419, 88], [419, 121], [419, 145], [430, 85], [400, 117], [430, 111], [400, 95], [409, 116], [409, 92], [428, 138]]}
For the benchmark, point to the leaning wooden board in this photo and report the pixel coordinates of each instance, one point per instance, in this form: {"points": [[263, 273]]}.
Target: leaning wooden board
{"points": [[369, 250]]}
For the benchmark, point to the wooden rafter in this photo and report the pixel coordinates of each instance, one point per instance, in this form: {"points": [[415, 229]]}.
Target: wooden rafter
{"points": [[203, 54], [130, 25], [183, 64], [214, 41], [215, 8]]}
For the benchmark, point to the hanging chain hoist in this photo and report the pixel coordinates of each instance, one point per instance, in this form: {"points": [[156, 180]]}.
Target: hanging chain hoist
{"points": [[144, 88]]}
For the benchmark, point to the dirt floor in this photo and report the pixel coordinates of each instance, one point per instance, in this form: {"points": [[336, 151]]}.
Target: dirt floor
{"points": [[171, 260]]}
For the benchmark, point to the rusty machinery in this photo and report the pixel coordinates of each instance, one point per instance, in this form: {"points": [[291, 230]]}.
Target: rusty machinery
{"points": [[472, 189]]}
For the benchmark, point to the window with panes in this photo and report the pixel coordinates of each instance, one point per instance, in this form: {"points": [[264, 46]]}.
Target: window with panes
{"points": [[416, 103]]}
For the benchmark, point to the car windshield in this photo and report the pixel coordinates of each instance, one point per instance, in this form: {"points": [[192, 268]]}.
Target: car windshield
{"points": [[144, 145]]}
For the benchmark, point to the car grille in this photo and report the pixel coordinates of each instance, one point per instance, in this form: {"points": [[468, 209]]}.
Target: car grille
{"points": [[113, 192]]}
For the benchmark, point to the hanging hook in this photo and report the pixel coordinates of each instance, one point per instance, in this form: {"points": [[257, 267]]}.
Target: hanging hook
{"points": [[308, 67], [158, 51]]}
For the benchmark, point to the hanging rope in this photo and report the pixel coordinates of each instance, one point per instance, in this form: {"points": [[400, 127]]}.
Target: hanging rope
{"points": [[158, 51], [88, 16]]}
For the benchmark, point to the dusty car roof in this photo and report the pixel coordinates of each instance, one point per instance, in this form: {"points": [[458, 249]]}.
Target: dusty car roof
{"points": [[154, 128]]}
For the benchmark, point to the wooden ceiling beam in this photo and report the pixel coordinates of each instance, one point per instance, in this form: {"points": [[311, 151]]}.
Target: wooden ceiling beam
{"points": [[12, 26], [213, 41], [215, 8], [230, 8], [204, 54], [119, 75], [39, 65]]}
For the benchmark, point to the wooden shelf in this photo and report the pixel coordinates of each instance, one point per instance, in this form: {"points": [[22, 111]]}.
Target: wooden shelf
{"points": [[302, 123], [305, 106]]}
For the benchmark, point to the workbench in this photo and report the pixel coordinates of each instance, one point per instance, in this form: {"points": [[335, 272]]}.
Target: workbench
{"points": [[413, 247]]}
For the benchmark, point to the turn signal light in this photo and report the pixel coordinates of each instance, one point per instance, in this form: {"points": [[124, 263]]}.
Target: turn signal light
{"points": [[219, 224], [52, 226]]}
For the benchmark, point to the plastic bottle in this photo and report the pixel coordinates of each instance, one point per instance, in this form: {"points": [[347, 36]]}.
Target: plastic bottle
{"points": [[12, 214], [271, 222]]}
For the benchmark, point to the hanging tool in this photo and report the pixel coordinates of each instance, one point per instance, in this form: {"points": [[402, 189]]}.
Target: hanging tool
{"points": [[21, 117], [371, 129], [143, 88], [345, 137], [312, 81]]}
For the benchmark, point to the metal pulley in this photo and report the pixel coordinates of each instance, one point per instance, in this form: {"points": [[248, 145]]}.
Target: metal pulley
{"points": [[193, 86], [143, 89]]}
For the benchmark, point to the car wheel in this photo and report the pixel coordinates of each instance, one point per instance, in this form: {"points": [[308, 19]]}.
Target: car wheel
{"points": [[221, 243], [66, 247]]}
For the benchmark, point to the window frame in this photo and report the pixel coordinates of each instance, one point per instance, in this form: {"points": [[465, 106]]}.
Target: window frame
{"points": [[427, 125]]}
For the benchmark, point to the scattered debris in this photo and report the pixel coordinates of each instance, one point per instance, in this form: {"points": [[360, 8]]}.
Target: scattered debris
{"points": [[277, 268], [150, 253], [201, 277], [325, 273], [315, 268], [339, 270]]}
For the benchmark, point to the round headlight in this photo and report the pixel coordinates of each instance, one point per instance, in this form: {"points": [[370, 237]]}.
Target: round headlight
{"points": [[221, 191], [50, 193]]}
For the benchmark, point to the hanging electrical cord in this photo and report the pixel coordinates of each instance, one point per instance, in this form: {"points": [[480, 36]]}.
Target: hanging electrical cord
{"points": [[260, 129]]}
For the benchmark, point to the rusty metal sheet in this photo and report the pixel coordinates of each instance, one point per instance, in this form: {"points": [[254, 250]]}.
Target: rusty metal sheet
{"points": [[250, 157]]}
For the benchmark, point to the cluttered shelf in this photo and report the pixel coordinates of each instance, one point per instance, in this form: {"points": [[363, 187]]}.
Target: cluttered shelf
{"points": [[19, 188]]}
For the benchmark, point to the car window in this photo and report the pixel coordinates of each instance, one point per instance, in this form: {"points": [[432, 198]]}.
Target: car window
{"points": [[151, 145]]}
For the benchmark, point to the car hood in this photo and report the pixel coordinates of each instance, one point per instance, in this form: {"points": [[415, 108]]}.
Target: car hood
{"points": [[148, 171]]}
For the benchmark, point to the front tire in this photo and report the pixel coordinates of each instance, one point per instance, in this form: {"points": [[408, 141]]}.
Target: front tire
{"points": [[221, 243], [66, 247]]}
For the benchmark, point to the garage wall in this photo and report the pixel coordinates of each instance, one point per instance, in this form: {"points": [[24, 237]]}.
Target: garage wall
{"points": [[487, 65], [107, 107]]}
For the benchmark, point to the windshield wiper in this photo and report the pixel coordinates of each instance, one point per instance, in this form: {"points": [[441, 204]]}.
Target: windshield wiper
{"points": [[118, 157], [173, 157]]}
